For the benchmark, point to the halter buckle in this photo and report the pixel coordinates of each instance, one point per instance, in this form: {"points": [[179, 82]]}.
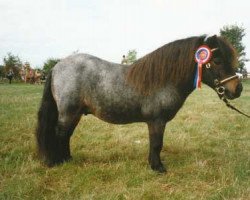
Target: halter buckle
{"points": [[216, 82], [220, 90]]}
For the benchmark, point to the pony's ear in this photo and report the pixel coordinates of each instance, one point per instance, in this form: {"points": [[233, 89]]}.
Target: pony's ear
{"points": [[211, 41]]}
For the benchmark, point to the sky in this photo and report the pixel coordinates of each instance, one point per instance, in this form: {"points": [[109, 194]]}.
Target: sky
{"points": [[36, 30]]}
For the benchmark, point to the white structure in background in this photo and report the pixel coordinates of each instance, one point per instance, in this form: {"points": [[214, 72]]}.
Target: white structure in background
{"points": [[239, 75]]}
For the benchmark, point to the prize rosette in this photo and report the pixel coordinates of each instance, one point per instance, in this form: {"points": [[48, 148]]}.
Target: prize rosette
{"points": [[202, 56]]}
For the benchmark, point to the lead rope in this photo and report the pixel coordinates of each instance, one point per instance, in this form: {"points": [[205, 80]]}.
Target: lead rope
{"points": [[233, 108]]}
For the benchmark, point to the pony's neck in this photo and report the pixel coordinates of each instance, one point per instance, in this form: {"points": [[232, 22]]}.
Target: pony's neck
{"points": [[187, 87]]}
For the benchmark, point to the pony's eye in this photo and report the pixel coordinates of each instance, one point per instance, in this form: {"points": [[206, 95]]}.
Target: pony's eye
{"points": [[217, 61]]}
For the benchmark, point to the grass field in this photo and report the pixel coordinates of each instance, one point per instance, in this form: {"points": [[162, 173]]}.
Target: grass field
{"points": [[206, 148]]}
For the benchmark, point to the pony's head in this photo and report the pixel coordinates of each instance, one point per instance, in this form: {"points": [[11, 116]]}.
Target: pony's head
{"points": [[219, 73]]}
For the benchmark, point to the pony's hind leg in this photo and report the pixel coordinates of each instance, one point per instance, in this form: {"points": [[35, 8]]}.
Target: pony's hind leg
{"points": [[67, 121]]}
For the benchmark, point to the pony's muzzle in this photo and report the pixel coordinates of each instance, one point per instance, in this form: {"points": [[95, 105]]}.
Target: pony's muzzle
{"points": [[237, 92]]}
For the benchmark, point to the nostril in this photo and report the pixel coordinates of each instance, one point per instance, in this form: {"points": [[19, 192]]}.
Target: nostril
{"points": [[239, 88]]}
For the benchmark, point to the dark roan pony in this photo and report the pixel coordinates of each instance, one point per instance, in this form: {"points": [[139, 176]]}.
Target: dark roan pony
{"points": [[151, 90]]}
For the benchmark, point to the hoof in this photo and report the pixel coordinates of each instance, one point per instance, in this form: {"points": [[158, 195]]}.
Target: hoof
{"points": [[160, 169], [52, 163]]}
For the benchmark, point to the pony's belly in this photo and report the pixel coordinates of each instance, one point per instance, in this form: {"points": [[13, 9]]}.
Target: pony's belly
{"points": [[118, 117]]}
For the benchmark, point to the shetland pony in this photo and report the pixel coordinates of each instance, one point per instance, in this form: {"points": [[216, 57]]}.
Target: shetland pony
{"points": [[151, 90]]}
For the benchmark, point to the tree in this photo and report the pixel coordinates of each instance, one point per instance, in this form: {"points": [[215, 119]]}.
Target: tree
{"points": [[49, 64], [2, 73], [234, 34], [131, 56], [12, 62]]}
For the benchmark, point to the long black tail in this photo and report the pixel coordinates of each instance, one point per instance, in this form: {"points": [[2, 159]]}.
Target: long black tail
{"points": [[46, 126]]}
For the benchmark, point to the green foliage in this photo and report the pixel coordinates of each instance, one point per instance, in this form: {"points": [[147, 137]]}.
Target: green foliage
{"points": [[131, 56], [49, 64], [234, 35], [206, 148], [2, 71], [12, 62]]}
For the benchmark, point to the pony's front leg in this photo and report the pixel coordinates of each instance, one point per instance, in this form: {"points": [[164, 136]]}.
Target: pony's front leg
{"points": [[156, 131]]}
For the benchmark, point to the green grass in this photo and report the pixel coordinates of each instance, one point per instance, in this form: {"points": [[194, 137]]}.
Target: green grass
{"points": [[206, 148]]}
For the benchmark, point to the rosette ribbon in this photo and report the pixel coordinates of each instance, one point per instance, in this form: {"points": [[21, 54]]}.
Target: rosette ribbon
{"points": [[202, 56]]}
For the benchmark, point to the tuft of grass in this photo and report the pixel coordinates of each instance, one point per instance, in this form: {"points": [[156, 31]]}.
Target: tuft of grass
{"points": [[206, 149]]}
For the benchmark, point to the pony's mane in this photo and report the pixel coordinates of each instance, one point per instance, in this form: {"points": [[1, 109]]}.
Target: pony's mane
{"points": [[173, 62]]}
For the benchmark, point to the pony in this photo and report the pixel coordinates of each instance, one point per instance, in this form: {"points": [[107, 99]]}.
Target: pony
{"points": [[151, 90]]}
